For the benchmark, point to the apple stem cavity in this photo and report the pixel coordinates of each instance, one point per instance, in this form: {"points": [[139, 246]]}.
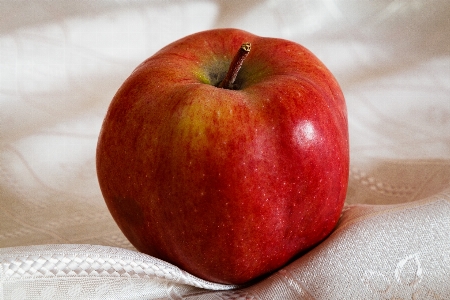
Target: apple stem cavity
{"points": [[235, 66]]}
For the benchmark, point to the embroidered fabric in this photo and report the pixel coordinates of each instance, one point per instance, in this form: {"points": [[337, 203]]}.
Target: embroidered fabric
{"points": [[62, 62]]}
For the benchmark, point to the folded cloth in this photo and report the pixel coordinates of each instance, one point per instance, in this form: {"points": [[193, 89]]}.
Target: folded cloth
{"points": [[376, 252]]}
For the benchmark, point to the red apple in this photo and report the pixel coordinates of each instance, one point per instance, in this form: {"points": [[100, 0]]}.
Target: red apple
{"points": [[227, 183]]}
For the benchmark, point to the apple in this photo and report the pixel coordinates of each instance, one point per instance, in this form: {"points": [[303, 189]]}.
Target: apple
{"points": [[226, 154]]}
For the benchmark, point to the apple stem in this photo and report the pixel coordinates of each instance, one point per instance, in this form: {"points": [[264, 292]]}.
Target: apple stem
{"points": [[235, 66]]}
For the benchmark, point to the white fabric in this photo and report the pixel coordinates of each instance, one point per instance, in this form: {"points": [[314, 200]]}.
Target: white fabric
{"points": [[60, 64]]}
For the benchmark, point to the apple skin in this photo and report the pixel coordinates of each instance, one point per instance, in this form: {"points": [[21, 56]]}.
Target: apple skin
{"points": [[229, 185]]}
